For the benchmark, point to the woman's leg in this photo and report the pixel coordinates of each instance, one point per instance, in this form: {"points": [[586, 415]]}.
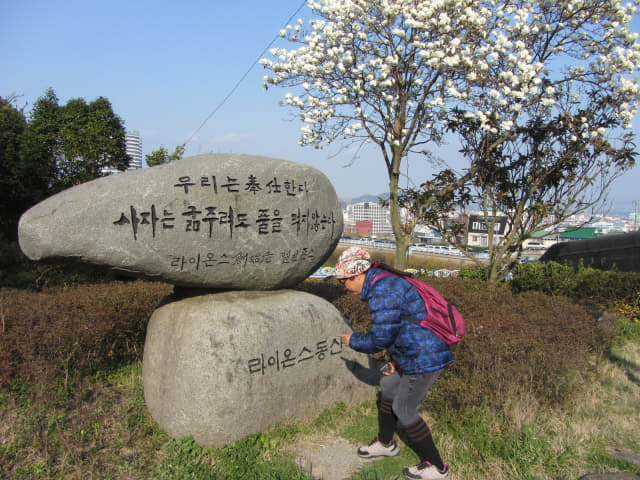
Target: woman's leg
{"points": [[386, 418], [410, 392], [384, 445]]}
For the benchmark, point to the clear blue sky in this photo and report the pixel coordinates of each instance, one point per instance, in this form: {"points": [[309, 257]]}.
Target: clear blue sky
{"points": [[165, 66]]}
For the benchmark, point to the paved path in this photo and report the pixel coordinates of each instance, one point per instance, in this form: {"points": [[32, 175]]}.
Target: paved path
{"points": [[334, 458], [328, 457]]}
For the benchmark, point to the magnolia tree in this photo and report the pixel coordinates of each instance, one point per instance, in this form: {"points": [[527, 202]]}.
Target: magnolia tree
{"points": [[399, 74], [543, 151]]}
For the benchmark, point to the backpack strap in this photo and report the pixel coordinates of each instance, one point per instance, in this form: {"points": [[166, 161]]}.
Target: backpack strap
{"points": [[390, 269], [452, 319], [381, 275]]}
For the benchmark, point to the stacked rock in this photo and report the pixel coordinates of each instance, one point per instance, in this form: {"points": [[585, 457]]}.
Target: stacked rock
{"points": [[252, 352]]}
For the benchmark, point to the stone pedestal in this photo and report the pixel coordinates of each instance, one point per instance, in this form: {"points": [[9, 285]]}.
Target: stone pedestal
{"points": [[225, 365]]}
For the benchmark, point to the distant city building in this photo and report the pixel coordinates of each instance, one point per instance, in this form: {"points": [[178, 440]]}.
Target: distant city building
{"points": [[424, 234], [478, 230], [379, 216], [584, 233], [364, 228], [134, 149], [109, 171]]}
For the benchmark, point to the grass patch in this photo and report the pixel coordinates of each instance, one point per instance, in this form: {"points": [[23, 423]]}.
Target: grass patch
{"points": [[254, 457], [110, 435], [100, 424], [539, 390], [630, 330]]}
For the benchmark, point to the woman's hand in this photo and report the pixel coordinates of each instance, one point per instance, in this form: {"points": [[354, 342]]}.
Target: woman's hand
{"points": [[346, 337], [388, 369]]}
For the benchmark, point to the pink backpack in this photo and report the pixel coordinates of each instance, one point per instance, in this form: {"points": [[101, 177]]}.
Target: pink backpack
{"points": [[443, 319]]}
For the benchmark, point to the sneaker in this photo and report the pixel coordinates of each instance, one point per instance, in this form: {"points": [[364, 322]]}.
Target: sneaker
{"points": [[426, 471], [378, 449]]}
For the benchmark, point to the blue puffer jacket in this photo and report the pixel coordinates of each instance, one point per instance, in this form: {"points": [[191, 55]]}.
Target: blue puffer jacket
{"points": [[413, 349]]}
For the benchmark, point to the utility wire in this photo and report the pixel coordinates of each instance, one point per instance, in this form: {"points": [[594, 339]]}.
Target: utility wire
{"points": [[235, 87]]}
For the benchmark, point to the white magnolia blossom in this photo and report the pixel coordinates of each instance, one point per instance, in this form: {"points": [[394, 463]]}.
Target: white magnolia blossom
{"points": [[363, 65], [506, 125]]}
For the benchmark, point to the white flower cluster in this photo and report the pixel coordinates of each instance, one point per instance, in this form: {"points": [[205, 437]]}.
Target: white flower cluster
{"points": [[365, 67]]}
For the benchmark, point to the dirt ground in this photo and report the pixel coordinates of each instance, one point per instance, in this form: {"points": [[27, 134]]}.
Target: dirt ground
{"points": [[328, 457]]}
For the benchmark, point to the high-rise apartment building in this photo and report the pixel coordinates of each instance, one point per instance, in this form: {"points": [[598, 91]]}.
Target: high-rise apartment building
{"points": [[379, 216], [134, 149]]}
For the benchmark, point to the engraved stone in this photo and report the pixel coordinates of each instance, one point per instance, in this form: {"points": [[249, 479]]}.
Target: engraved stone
{"points": [[611, 476], [226, 221], [225, 365], [627, 456]]}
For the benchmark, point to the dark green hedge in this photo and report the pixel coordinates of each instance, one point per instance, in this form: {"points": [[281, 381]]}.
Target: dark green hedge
{"points": [[604, 287]]}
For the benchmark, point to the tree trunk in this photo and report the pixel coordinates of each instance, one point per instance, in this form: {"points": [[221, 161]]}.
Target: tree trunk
{"points": [[492, 276], [402, 244], [402, 239]]}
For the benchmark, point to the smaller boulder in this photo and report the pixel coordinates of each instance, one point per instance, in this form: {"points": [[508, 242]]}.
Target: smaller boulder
{"points": [[225, 365]]}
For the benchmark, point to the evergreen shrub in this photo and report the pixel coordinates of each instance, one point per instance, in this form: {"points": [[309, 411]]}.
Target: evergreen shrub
{"points": [[603, 287], [474, 273]]}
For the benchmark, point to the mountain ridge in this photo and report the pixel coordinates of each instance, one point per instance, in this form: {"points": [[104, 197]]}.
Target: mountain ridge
{"points": [[367, 197]]}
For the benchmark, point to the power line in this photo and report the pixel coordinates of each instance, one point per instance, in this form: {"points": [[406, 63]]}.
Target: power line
{"points": [[235, 87]]}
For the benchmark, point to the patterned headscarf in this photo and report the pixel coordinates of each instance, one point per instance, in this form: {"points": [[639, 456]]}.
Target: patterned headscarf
{"points": [[353, 261]]}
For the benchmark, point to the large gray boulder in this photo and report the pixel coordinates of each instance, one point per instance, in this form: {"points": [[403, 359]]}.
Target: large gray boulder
{"points": [[222, 366], [216, 221]]}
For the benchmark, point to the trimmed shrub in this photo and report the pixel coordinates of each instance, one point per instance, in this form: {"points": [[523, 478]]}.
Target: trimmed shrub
{"points": [[61, 331], [515, 342], [604, 287], [519, 342]]}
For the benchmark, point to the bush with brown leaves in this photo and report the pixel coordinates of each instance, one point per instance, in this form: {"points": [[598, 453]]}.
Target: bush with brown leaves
{"points": [[515, 341], [63, 331], [527, 342]]}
